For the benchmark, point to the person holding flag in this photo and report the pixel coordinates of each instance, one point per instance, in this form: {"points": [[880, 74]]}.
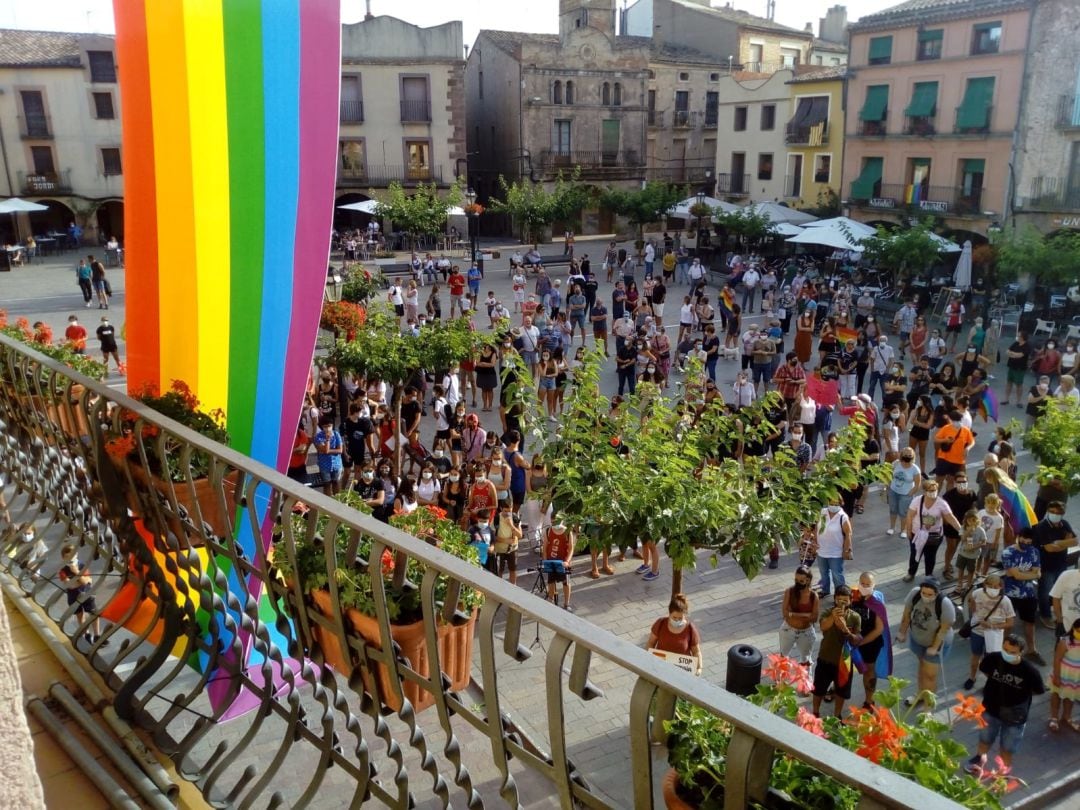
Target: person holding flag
{"points": [[841, 630], [873, 655]]}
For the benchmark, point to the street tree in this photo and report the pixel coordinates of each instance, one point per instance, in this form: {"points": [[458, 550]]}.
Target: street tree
{"points": [[744, 224], [1054, 441], [533, 208], [1037, 261], [645, 205], [904, 251], [421, 213]]}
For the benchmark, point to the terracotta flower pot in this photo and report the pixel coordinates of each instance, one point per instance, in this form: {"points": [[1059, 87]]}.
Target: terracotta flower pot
{"points": [[205, 497], [455, 652], [671, 799]]}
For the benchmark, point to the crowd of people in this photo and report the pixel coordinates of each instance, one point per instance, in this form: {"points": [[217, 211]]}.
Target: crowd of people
{"points": [[918, 386]]}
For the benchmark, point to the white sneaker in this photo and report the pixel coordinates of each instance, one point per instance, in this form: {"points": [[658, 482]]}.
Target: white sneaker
{"points": [[890, 532], [903, 535]]}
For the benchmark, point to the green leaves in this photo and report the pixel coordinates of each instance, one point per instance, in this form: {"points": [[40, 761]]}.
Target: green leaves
{"points": [[1045, 259], [745, 223], [905, 250], [642, 206], [533, 207], [1054, 440], [419, 213]]}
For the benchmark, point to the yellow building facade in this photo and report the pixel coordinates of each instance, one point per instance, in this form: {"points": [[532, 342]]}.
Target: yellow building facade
{"points": [[814, 137]]}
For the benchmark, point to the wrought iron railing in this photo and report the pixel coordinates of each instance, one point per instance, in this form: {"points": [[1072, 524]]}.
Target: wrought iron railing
{"points": [[593, 162], [352, 112], [378, 176], [922, 125], [797, 135], [1068, 116], [927, 199], [1051, 194], [415, 110], [35, 126], [317, 737], [732, 184], [45, 183]]}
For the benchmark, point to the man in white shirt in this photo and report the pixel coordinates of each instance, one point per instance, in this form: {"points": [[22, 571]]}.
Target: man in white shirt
{"points": [[1065, 598], [650, 257], [451, 386], [881, 357], [750, 280], [530, 343]]}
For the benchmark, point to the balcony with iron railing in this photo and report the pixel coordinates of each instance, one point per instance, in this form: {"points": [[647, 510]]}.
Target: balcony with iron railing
{"points": [[352, 112], [685, 172], [415, 111], [816, 135], [381, 176], [1068, 116], [654, 118], [980, 129], [947, 200], [33, 127], [923, 126], [734, 185], [47, 183], [1050, 194], [230, 666], [624, 164], [686, 119], [873, 129]]}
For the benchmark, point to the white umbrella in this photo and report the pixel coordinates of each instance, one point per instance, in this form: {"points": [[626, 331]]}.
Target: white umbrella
{"points": [[857, 229], [364, 206], [785, 229], [963, 267], [781, 213], [829, 236], [14, 205], [682, 208], [945, 246]]}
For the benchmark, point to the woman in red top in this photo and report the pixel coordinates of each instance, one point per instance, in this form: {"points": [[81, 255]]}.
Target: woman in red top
{"points": [[559, 545], [483, 497], [676, 633]]}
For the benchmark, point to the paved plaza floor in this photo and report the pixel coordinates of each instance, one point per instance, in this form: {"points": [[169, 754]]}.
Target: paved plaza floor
{"points": [[726, 607]]}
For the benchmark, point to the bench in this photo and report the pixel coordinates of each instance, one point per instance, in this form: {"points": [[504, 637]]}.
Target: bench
{"points": [[401, 270]]}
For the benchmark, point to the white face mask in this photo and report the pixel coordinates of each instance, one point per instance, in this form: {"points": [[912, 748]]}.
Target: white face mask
{"points": [[481, 478], [866, 590], [426, 476], [677, 624], [438, 454], [833, 508], [455, 478], [482, 524], [992, 592]]}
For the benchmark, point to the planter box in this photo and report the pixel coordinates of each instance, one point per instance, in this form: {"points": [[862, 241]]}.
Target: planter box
{"points": [[74, 424], [455, 652], [208, 504]]}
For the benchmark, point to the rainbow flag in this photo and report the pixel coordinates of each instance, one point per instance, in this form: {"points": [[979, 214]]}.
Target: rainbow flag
{"points": [[912, 193], [846, 333], [230, 126], [987, 406], [1015, 504]]}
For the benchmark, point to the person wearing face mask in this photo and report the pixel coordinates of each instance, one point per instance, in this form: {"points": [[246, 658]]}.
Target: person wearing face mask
{"points": [[833, 545], [951, 445], [507, 538], [929, 616], [559, 541], [483, 497], [369, 488], [992, 616], [906, 480], [875, 648], [1065, 600], [31, 552], [799, 607], [1053, 537], [881, 363], [452, 495], [961, 499], [1010, 684], [1047, 360], [482, 538], [675, 633], [969, 360], [800, 448], [924, 524], [1039, 397], [840, 627], [790, 380], [428, 488], [1023, 567], [1065, 680]]}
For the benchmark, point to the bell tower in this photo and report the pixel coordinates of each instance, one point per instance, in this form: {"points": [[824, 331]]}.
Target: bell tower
{"points": [[598, 14]]}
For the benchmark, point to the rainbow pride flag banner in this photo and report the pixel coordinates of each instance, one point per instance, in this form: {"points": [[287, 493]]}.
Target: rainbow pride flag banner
{"points": [[987, 406], [230, 126], [1015, 504], [846, 333]]}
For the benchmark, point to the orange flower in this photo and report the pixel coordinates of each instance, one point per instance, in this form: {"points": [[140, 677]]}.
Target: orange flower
{"points": [[120, 448], [969, 708], [807, 722], [879, 733], [784, 670], [387, 563]]}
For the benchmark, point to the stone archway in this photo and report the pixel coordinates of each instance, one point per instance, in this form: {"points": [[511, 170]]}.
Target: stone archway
{"points": [[350, 220], [57, 218], [110, 220]]}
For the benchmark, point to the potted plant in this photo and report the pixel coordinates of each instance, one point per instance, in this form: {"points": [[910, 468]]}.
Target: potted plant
{"points": [[913, 744], [165, 472], [361, 284], [343, 318], [1053, 440], [356, 600]]}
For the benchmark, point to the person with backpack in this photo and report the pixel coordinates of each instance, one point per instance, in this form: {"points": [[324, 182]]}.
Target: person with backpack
{"points": [[929, 617]]}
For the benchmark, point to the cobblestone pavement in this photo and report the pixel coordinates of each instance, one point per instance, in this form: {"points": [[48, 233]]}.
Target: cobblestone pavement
{"points": [[727, 608]]}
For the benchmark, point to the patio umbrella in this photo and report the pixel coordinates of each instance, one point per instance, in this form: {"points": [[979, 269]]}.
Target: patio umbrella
{"points": [[15, 205], [781, 213], [857, 229], [963, 267], [786, 229], [944, 245], [364, 206], [682, 208], [834, 236]]}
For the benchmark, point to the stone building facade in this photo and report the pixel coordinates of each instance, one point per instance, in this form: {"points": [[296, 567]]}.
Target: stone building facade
{"points": [[1047, 159]]}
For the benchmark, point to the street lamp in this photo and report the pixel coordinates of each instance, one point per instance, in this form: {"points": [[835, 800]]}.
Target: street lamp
{"points": [[332, 294], [474, 224]]}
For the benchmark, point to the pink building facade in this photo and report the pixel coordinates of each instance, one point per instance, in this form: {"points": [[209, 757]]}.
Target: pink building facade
{"points": [[933, 97]]}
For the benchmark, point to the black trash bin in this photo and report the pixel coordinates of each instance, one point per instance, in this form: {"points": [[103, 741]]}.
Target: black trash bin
{"points": [[743, 669]]}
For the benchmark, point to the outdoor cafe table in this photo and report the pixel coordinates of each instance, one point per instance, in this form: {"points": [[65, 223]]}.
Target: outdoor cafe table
{"points": [[47, 245]]}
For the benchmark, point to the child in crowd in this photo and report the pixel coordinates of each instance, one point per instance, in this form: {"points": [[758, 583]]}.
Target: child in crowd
{"points": [[972, 543]]}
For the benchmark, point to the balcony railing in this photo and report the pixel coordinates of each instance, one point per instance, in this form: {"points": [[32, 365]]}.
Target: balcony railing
{"points": [[625, 164], [1051, 194], [807, 136], [35, 126], [872, 129], [352, 112], [1068, 116], [921, 125], [734, 185], [655, 118], [380, 176], [303, 733], [686, 119], [979, 130], [929, 199], [51, 183], [415, 111], [711, 118], [680, 174]]}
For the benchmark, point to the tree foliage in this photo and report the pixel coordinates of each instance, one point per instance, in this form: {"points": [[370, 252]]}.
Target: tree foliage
{"points": [[651, 471], [643, 206], [905, 251], [1043, 259], [533, 207], [421, 213], [1054, 440], [744, 223]]}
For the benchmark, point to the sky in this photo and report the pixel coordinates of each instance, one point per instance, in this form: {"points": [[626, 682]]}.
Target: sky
{"points": [[513, 15]]}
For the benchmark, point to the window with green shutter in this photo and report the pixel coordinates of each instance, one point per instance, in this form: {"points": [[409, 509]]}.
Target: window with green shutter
{"points": [[973, 114], [877, 103], [867, 185], [880, 50], [923, 100], [930, 44]]}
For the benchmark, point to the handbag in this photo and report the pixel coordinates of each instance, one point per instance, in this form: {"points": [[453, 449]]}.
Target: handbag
{"points": [[965, 628], [1014, 715]]}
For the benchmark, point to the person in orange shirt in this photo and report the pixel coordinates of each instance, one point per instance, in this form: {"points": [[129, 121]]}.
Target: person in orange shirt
{"points": [[951, 445], [76, 335]]}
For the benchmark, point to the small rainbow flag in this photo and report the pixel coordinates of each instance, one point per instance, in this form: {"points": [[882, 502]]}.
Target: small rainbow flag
{"points": [[987, 406], [912, 194], [846, 333], [1015, 504]]}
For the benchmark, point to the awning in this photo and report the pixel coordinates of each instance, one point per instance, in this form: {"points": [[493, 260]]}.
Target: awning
{"points": [[936, 35], [880, 48], [974, 166], [923, 100], [877, 101], [811, 110], [974, 112], [862, 187]]}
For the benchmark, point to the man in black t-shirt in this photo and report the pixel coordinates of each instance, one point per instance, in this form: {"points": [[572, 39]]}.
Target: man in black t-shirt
{"points": [[411, 411], [625, 365], [1053, 537], [1010, 683], [1017, 359], [106, 333]]}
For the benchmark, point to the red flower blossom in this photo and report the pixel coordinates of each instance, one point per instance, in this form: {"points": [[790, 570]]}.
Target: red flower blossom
{"points": [[784, 670], [807, 722], [387, 563], [969, 708], [120, 448], [879, 733]]}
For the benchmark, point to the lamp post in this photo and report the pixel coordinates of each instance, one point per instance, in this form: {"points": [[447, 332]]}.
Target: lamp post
{"points": [[474, 228], [332, 295]]}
